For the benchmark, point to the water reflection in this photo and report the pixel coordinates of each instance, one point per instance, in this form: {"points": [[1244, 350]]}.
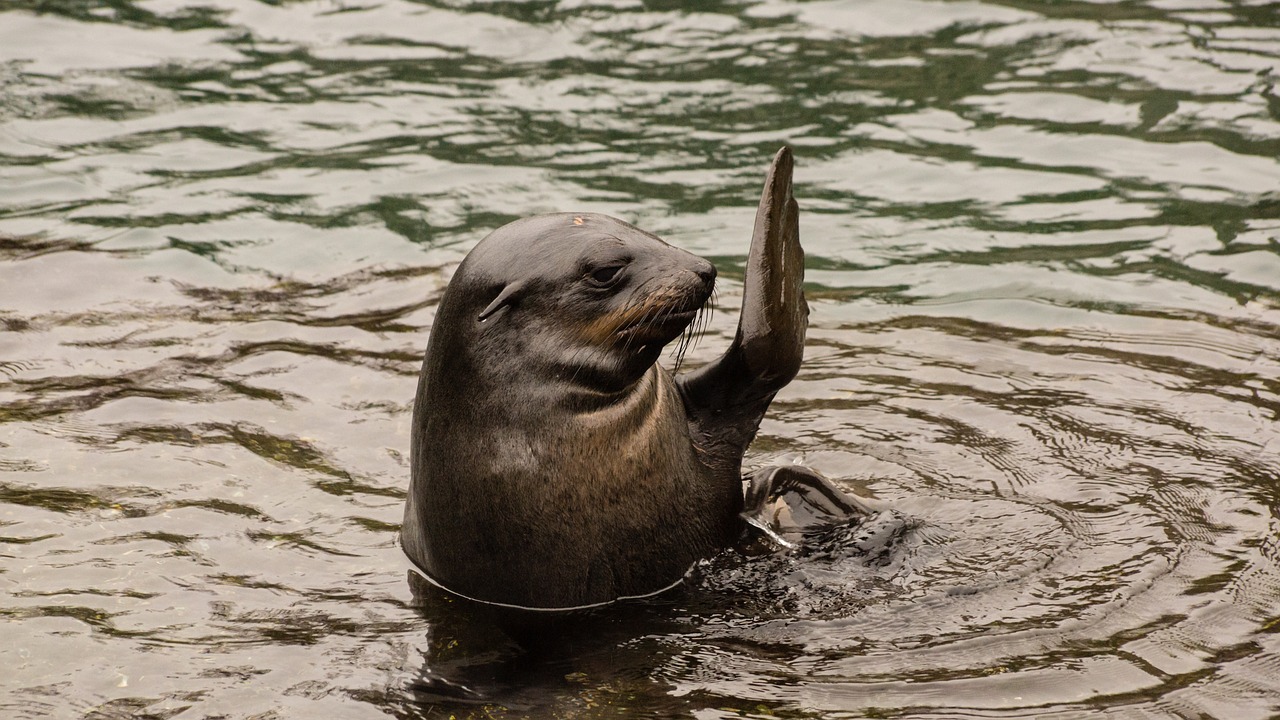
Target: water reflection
{"points": [[1045, 288]]}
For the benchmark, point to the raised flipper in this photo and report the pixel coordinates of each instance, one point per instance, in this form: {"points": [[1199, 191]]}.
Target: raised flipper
{"points": [[774, 314], [727, 399]]}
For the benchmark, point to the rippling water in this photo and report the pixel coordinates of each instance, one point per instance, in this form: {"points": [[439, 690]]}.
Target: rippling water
{"points": [[1044, 269]]}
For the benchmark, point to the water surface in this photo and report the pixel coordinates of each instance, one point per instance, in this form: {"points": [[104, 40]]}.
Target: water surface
{"points": [[1044, 272]]}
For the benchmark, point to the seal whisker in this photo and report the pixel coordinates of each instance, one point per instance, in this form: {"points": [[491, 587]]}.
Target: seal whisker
{"points": [[693, 333], [681, 345], [681, 348], [687, 340], [642, 302], [626, 345], [703, 321], [652, 311]]}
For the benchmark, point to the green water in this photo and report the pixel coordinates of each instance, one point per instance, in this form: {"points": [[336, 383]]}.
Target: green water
{"points": [[1044, 271]]}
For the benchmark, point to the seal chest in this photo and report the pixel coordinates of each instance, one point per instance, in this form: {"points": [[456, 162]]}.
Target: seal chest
{"points": [[555, 465]]}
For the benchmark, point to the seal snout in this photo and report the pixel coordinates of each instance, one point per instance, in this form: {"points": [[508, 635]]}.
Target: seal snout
{"points": [[705, 272]]}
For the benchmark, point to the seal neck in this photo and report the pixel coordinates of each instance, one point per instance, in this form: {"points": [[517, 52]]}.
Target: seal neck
{"points": [[625, 401], [596, 378]]}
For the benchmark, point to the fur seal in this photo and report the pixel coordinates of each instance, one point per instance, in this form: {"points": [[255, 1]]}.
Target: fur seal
{"points": [[555, 464]]}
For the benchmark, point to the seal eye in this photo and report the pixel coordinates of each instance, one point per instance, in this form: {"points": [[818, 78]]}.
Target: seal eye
{"points": [[605, 276]]}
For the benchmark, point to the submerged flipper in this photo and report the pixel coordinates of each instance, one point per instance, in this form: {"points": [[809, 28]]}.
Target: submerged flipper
{"points": [[789, 507], [727, 399], [791, 498]]}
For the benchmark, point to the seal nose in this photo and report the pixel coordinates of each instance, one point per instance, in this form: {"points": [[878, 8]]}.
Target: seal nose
{"points": [[707, 272]]}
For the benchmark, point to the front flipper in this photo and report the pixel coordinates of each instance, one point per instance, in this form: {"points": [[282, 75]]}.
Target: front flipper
{"points": [[727, 399], [793, 508], [786, 501], [774, 314]]}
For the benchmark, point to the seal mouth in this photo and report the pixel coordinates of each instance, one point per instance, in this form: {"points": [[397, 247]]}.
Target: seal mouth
{"points": [[659, 326], [649, 335], [674, 320], [646, 326]]}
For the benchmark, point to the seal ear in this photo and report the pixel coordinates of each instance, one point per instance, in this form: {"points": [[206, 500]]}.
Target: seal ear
{"points": [[505, 298]]}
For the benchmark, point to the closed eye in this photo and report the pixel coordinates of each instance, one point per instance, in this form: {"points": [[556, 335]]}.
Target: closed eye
{"points": [[605, 276]]}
